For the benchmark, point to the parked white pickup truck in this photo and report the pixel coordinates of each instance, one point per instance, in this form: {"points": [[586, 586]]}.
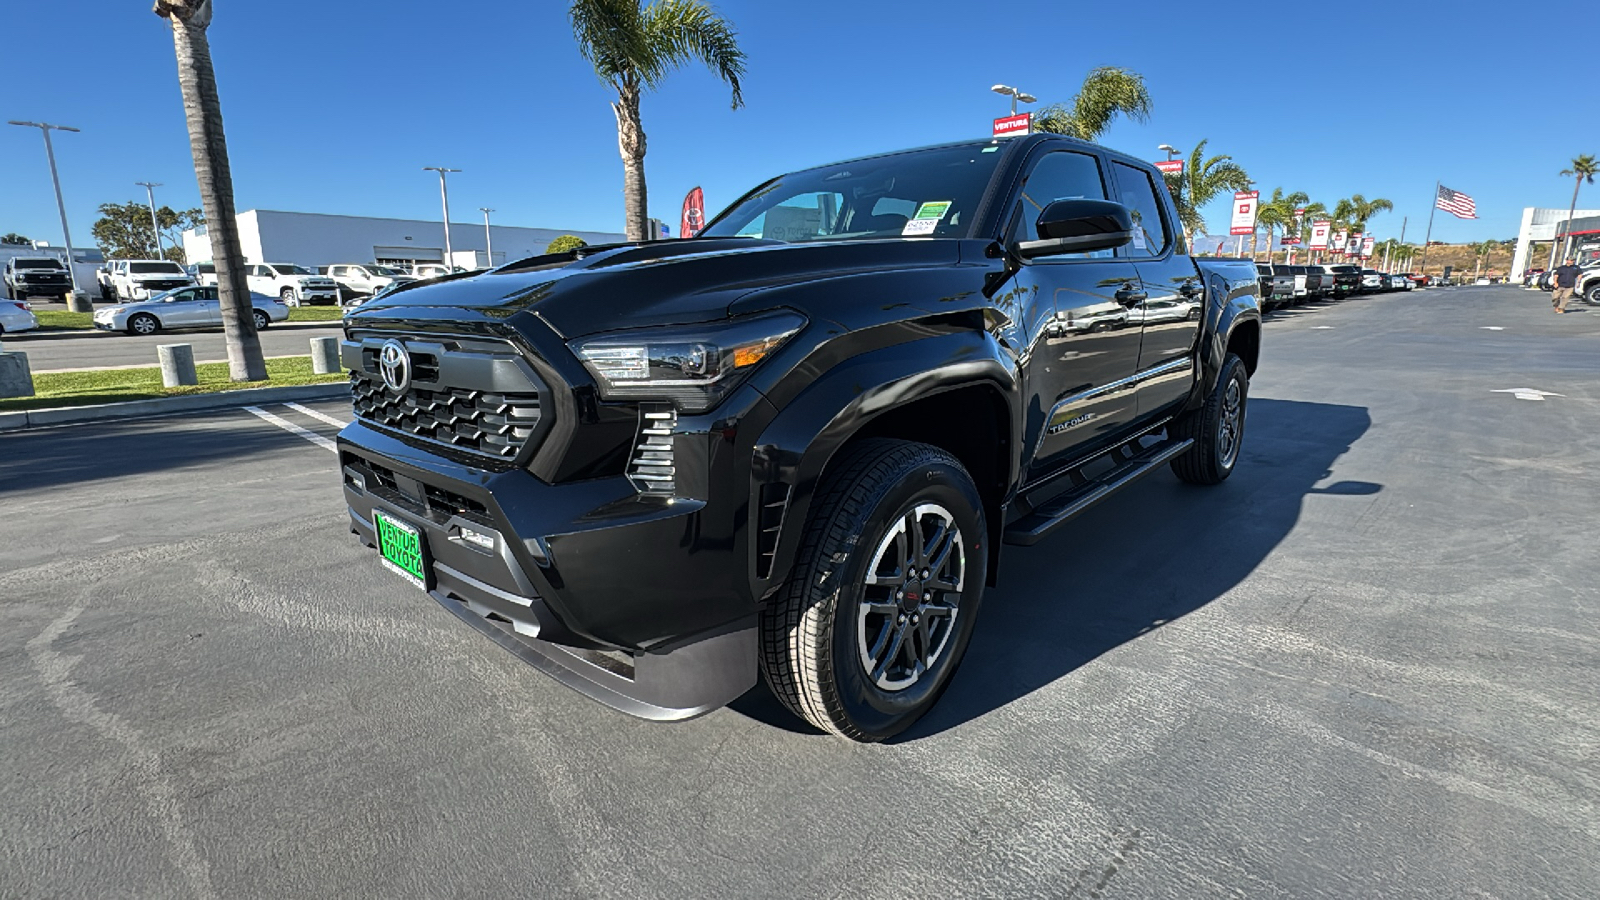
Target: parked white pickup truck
{"points": [[291, 284], [366, 279], [141, 279]]}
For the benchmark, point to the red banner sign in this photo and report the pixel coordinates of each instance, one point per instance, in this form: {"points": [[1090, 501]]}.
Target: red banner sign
{"points": [[1010, 126], [1170, 166], [694, 213]]}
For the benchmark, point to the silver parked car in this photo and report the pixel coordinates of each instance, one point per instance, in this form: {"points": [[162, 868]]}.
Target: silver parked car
{"points": [[188, 307], [15, 316]]}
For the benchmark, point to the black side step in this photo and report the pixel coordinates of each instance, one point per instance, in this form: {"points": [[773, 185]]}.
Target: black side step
{"points": [[1032, 528]]}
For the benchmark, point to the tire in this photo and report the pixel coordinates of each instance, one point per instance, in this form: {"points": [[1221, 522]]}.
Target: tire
{"points": [[828, 625], [1593, 296], [262, 321], [287, 296], [1217, 428], [144, 324]]}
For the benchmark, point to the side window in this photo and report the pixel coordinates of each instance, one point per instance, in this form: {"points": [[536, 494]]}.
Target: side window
{"points": [[1150, 233], [1060, 175]]}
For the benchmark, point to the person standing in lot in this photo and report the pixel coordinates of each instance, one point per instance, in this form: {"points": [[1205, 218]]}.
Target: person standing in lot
{"points": [[1566, 278]]}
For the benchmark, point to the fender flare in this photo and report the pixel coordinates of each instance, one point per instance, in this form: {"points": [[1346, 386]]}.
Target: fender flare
{"points": [[797, 445]]}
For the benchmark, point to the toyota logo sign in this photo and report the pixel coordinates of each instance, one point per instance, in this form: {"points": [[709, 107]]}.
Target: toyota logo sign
{"points": [[394, 363]]}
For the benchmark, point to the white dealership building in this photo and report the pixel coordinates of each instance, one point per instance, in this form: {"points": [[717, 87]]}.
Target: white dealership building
{"points": [[314, 239], [1539, 225]]}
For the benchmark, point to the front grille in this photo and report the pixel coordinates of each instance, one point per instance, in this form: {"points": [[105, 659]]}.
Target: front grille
{"points": [[651, 469], [165, 284], [495, 424]]}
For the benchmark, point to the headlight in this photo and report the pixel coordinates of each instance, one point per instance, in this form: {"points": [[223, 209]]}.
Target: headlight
{"points": [[694, 367]]}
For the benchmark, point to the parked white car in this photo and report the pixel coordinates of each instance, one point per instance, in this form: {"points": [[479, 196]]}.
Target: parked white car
{"points": [[15, 316], [205, 274], [430, 270], [190, 307], [366, 279], [291, 284]]}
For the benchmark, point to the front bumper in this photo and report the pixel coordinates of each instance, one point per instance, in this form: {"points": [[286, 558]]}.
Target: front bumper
{"points": [[640, 603]]}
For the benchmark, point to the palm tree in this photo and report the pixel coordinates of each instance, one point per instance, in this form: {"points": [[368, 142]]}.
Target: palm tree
{"points": [[1201, 182], [203, 111], [1279, 211], [1361, 209], [1106, 92], [1584, 168], [633, 49], [1483, 249]]}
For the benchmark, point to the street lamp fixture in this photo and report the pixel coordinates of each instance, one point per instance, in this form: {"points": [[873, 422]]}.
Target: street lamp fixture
{"points": [[150, 192], [50, 153], [1015, 95], [444, 195], [1171, 151]]}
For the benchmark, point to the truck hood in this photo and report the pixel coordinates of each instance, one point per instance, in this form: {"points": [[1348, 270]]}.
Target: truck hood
{"points": [[656, 283]]}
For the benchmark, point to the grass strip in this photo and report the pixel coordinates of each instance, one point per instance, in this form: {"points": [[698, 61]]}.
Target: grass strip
{"points": [[118, 385], [61, 320]]}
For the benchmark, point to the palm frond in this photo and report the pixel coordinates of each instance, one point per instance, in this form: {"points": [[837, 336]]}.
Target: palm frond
{"points": [[677, 31], [1107, 92], [611, 37]]}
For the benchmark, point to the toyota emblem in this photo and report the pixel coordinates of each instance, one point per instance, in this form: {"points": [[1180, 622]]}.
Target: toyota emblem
{"points": [[394, 363]]}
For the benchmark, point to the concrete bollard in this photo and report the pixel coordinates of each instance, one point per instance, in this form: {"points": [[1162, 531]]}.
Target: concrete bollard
{"points": [[78, 302], [325, 356], [16, 380], [177, 364]]}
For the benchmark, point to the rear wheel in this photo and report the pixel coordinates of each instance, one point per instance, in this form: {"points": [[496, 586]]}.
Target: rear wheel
{"points": [[288, 298], [1217, 428], [262, 321], [144, 324], [1593, 296], [880, 604]]}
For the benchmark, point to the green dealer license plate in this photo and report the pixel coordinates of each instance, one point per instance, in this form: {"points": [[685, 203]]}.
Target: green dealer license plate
{"points": [[401, 547]]}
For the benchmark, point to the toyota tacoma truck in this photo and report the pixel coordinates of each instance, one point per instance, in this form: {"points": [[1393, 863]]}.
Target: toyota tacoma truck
{"points": [[793, 446]]}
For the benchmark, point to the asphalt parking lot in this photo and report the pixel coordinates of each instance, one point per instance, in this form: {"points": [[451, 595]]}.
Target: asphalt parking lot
{"points": [[1367, 665]]}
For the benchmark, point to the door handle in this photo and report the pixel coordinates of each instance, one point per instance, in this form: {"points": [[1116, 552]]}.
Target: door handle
{"points": [[1130, 295], [1190, 290]]}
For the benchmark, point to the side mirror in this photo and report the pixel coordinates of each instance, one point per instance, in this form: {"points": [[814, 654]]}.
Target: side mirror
{"points": [[1079, 226]]}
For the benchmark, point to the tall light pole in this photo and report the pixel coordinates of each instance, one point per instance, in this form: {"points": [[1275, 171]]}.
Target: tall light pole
{"points": [[150, 192], [1171, 151], [488, 239], [1015, 95], [444, 195], [50, 153]]}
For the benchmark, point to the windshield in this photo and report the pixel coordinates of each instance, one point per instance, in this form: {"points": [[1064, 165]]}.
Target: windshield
{"points": [[282, 269], [381, 270], [39, 264], [923, 193], [156, 268]]}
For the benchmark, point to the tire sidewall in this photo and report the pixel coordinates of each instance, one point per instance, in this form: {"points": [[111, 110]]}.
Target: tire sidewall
{"points": [[143, 317], [1234, 371], [872, 710]]}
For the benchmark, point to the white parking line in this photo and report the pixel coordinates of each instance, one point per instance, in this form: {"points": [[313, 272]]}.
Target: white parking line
{"points": [[294, 429], [322, 417]]}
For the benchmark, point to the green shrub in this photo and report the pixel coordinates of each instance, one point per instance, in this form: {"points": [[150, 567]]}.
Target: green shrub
{"points": [[565, 243]]}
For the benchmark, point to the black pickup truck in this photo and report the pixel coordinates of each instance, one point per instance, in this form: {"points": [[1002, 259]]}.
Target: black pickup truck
{"points": [[794, 445]]}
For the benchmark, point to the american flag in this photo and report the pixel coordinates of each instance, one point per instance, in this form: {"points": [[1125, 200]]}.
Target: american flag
{"points": [[1456, 203]]}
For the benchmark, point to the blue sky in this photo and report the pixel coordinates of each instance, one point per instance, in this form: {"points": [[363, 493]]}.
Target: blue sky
{"points": [[334, 107]]}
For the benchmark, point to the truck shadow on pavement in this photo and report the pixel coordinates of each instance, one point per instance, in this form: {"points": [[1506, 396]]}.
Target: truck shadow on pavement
{"points": [[1154, 553]]}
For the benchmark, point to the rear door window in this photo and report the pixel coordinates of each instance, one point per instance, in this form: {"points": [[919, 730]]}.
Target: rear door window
{"points": [[1151, 234]]}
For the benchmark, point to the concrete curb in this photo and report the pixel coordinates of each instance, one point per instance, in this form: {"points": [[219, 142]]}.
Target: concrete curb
{"points": [[23, 420], [23, 337]]}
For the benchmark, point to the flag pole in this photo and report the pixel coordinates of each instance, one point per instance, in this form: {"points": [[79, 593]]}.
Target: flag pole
{"points": [[1435, 207]]}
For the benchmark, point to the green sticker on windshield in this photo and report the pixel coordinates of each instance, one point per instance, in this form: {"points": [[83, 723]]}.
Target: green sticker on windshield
{"points": [[927, 217]]}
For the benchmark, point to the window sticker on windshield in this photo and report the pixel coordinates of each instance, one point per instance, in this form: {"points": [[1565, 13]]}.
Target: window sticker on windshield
{"points": [[1138, 238], [927, 218]]}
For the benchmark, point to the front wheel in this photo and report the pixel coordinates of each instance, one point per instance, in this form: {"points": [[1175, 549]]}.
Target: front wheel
{"points": [[1217, 428], [880, 605], [262, 321], [288, 298], [144, 324], [1593, 296]]}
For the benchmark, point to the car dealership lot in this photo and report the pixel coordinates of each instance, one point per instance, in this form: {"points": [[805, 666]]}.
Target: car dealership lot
{"points": [[1383, 681], [52, 352]]}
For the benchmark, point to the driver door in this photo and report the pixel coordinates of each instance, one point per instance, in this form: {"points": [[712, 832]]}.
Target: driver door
{"points": [[1083, 348]]}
